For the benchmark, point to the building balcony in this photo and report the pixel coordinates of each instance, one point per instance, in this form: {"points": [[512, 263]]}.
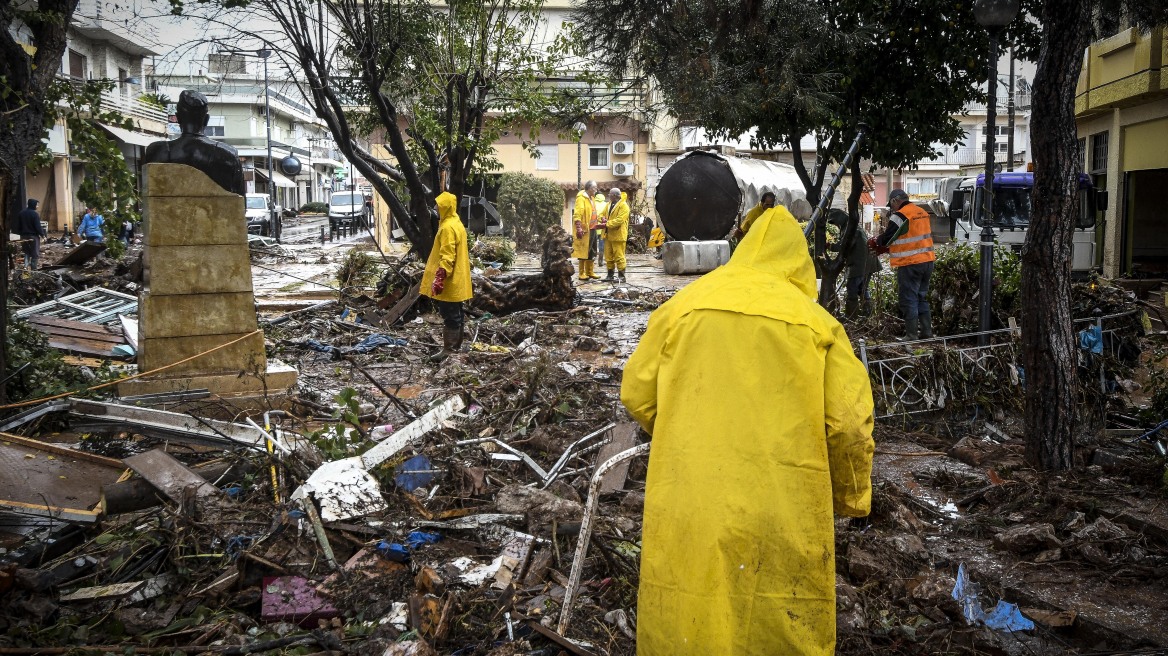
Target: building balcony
{"points": [[147, 118], [1122, 70], [119, 24]]}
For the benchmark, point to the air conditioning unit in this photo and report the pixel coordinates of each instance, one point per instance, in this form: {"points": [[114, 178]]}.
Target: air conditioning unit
{"points": [[622, 169], [622, 148]]}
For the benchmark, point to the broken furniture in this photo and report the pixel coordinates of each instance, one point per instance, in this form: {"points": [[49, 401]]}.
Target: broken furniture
{"points": [[197, 315]]}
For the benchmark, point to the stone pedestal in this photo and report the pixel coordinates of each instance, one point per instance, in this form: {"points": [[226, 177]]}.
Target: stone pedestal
{"points": [[198, 293]]}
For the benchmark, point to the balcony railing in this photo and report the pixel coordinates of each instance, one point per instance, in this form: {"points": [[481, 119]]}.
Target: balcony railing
{"points": [[146, 117], [1021, 103]]}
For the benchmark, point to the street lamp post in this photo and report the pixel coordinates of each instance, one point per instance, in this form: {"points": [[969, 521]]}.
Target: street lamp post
{"points": [[992, 15], [264, 54], [579, 129]]}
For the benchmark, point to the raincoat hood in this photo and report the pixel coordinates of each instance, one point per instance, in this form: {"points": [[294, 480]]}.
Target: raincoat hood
{"points": [[776, 246], [447, 206]]}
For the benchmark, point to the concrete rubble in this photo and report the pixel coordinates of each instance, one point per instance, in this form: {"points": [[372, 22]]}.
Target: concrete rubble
{"points": [[391, 506]]}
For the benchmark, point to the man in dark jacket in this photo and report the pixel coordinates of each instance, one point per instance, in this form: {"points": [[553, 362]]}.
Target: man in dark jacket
{"points": [[28, 226], [860, 263]]}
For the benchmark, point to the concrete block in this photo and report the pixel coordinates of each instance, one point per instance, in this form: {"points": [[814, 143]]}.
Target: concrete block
{"points": [[223, 268], [204, 314], [191, 220], [277, 379], [161, 180], [246, 355], [688, 257]]}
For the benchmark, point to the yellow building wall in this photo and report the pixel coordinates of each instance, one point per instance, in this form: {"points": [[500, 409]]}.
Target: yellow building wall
{"points": [[1146, 145], [1121, 70]]}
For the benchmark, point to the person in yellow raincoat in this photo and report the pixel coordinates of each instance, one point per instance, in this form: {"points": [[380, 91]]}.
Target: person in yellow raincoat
{"points": [[583, 223], [761, 418], [765, 203], [601, 206], [616, 232], [447, 275]]}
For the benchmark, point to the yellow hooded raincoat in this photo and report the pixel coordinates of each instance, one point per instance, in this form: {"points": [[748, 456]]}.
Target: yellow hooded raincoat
{"points": [[583, 214], [757, 439], [450, 253]]}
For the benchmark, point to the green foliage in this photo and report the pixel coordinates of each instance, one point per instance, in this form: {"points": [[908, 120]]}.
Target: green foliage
{"points": [[529, 206], [343, 438], [793, 68], [109, 185], [159, 100], [487, 250], [46, 374], [953, 289], [314, 207], [358, 269]]}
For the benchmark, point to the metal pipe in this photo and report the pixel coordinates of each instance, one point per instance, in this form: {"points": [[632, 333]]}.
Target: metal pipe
{"points": [[586, 530], [825, 199]]}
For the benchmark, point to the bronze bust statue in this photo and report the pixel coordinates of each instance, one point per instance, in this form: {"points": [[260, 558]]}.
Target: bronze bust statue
{"points": [[218, 160]]}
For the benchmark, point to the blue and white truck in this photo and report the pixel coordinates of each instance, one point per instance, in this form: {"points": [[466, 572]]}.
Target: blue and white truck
{"points": [[1012, 214]]}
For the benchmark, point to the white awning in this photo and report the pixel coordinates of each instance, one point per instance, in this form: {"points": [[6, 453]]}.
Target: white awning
{"points": [[279, 179], [131, 137]]}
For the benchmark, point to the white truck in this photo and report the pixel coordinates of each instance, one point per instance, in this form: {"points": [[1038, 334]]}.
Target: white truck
{"points": [[1012, 214]]}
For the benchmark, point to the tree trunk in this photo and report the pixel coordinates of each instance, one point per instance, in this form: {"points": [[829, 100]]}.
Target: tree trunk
{"points": [[7, 188], [1048, 346], [550, 290]]}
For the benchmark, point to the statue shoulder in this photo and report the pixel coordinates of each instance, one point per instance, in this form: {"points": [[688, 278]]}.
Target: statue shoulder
{"points": [[226, 151], [157, 152]]}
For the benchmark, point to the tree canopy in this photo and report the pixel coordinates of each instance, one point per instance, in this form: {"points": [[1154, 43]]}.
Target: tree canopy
{"points": [[438, 85]]}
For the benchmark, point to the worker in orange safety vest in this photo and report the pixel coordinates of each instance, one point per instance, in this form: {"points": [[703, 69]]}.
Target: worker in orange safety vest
{"points": [[908, 238]]}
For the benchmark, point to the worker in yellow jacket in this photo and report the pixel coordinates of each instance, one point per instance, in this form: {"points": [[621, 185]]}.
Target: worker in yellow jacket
{"points": [[616, 232], [757, 440], [447, 275], [584, 220], [765, 203], [601, 204]]}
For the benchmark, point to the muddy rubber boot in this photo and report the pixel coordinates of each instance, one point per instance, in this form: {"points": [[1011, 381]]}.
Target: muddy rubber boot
{"points": [[851, 306], [926, 325], [620, 276], [610, 277], [910, 330], [583, 267], [451, 338], [592, 270]]}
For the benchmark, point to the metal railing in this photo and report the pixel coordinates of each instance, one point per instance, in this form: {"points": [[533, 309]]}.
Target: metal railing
{"points": [[934, 372], [134, 109]]}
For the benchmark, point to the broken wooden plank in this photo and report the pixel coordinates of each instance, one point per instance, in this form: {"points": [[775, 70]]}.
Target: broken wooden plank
{"points": [[79, 515], [401, 307], [161, 423], [624, 437], [85, 347], [97, 592], [170, 476], [59, 326], [430, 421], [57, 449]]}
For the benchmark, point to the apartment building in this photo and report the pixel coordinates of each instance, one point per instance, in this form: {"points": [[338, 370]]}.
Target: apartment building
{"points": [[106, 41], [1121, 107]]}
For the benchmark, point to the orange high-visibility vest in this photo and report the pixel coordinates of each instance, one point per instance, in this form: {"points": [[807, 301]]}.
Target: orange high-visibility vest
{"points": [[915, 246]]}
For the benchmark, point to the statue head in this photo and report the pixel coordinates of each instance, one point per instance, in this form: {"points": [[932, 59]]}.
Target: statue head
{"points": [[192, 112]]}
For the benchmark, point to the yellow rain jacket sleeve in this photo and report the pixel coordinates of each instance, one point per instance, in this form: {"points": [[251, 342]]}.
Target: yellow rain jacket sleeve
{"points": [[450, 253], [618, 222], [756, 440], [581, 216]]}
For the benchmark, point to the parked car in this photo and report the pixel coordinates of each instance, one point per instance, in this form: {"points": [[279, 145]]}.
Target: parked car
{"points": [[348, 208], [263, 218]]}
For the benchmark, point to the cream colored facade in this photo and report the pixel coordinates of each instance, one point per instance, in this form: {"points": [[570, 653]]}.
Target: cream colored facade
{"points": [[1121, 107]]}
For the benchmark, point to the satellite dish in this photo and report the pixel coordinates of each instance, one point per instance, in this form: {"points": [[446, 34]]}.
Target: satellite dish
{"points": [[290, 165]]}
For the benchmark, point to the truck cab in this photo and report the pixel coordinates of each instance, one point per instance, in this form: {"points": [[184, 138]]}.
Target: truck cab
{"points": [[1012, 214]]}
